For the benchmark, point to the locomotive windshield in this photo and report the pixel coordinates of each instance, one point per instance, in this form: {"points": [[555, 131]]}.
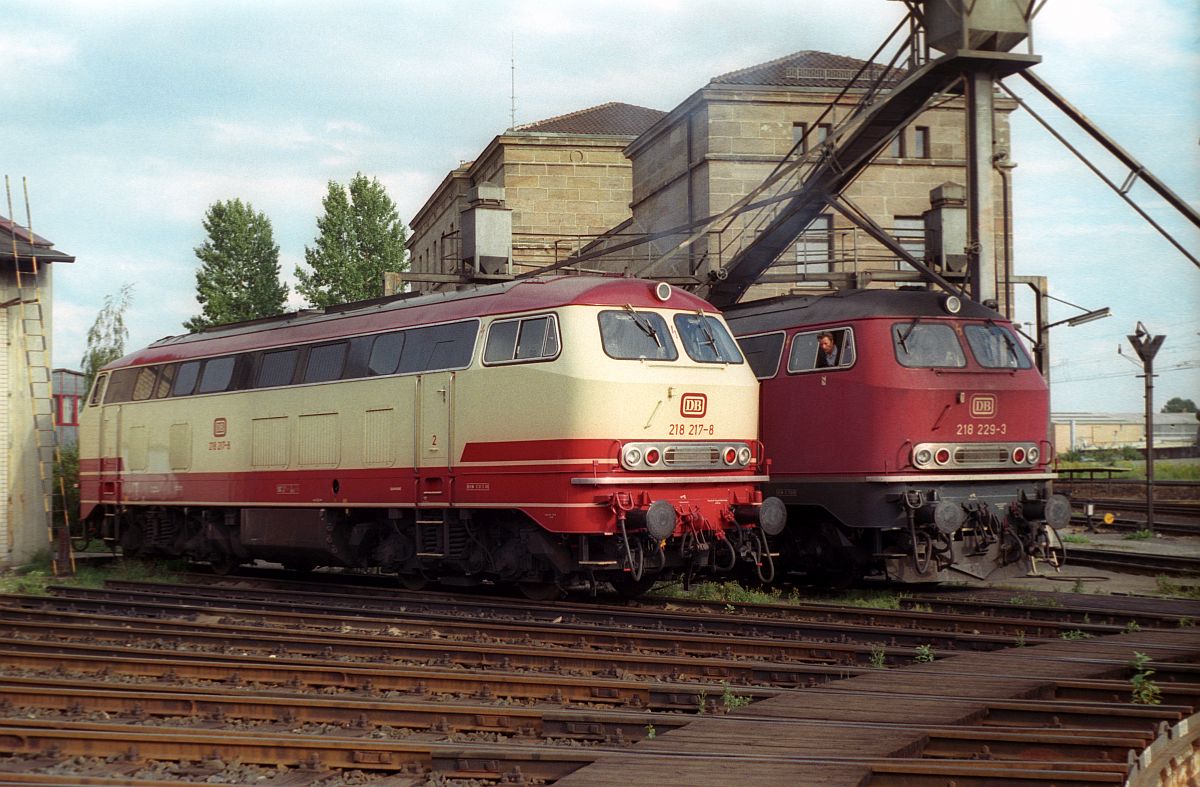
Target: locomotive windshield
{"points": [[633, 335], [927, 345], [705, 339], [995, 347]]}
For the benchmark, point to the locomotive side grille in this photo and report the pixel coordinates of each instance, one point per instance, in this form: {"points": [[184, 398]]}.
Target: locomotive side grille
{"points": [[691, 456]]}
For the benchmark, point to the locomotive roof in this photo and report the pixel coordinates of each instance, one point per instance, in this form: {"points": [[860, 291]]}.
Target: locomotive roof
{"points": [[789, 311], [381, 314]]}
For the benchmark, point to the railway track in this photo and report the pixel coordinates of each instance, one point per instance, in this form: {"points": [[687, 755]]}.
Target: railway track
{"points": [[1136, 562], [147, 684]]}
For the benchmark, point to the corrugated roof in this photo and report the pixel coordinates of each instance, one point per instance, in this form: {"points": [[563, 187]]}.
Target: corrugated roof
{"points": [[807, 68], [614, 119]]}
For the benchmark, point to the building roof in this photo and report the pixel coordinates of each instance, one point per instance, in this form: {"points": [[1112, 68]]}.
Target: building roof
{"points": [[806, 68], [614, 118], [26, 244]]}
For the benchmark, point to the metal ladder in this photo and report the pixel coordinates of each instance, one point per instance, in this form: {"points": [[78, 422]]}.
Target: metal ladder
{"points": [[35, 348]]}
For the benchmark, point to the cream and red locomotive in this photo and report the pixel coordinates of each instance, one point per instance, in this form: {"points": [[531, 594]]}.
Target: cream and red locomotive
{"points": [[545, 432], [913, 447]]}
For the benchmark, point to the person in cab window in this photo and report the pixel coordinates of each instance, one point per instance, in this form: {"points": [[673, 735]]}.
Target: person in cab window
{"points": [[826, 351]]}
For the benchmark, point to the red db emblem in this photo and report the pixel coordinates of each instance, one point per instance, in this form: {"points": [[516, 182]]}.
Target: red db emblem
{"points": [[220, 427], [693, 405], [983, 406]]}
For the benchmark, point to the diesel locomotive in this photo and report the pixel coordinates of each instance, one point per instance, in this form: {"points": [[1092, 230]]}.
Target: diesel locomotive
{"points": [[547, 432], [907, 434]]}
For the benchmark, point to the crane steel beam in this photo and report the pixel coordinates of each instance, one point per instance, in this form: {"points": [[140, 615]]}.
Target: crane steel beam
{"points": [[851, 152]]}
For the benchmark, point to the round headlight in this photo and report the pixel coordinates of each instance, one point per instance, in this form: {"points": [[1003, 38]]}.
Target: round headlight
{"points": [[952, 304], [744, 456], [1034, 456], [924, 456], [633, 456], [662, 291]]}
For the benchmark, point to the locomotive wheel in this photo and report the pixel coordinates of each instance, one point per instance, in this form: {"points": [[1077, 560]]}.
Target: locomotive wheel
{"points": [[539, 591], [224, 564], [133, 540], [629, 588], [413, 582]]}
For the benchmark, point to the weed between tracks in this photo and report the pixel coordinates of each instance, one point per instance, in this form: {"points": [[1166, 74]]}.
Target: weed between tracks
{"points": [[38, 574], [731, 594]]}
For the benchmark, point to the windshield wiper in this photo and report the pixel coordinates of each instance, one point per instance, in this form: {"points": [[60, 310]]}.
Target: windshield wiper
{"points": [[709, 339], [911, 327], [644, 324], [1008, 341]]}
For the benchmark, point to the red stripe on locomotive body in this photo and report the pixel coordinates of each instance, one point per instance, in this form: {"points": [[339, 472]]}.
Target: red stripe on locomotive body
{"points": [[546, 496]]}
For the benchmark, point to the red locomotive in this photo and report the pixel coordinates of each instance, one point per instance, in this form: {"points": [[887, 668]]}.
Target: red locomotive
{"points": [[907, 435], [545, 432]]}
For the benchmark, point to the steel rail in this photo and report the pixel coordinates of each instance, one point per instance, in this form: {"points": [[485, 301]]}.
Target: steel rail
{"points": [[808, 620]]}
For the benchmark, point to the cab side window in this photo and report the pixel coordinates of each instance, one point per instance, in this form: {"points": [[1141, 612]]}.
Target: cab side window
{"points": [[525, 339], [763, 353], [830, 348]]}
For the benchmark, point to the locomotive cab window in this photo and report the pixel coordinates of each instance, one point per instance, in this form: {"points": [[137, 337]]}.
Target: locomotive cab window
{"points": [[632, 335], [525, 339], [810, 353], [763, 353], [929, 345], [120, 386], [705, 339], [995, 347]]}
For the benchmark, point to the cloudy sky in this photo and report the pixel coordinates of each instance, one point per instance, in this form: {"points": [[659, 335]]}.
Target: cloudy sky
{"points": [[128, 118]]}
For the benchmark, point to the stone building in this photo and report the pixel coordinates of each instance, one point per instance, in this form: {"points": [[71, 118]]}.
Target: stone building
{"points": [[25, 405], [726, 138], [565, 180], [568, 179]]}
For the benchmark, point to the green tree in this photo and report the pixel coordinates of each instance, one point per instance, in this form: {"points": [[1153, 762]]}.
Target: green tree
{"points": [[106, 338], [1179, 405], [238, 278], [359, 238]]}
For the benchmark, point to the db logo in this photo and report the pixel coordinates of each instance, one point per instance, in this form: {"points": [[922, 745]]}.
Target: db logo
{"points": [[220, 427], [983, 406], [693, 405]]}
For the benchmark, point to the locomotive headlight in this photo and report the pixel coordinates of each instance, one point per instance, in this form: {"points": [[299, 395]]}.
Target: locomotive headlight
{"points": [[1034, 455], [633, 456], [1018, 456], [743, 455], [652, 456], [952, 304], [729, 455], [662, 291], [923, 457], [942, 456]]}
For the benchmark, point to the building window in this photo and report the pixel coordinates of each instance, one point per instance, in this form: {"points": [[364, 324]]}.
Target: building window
{"points": [[799, 130], [896, 146], [909, 232], [823, 132], [921, 141], [814, 247]]}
